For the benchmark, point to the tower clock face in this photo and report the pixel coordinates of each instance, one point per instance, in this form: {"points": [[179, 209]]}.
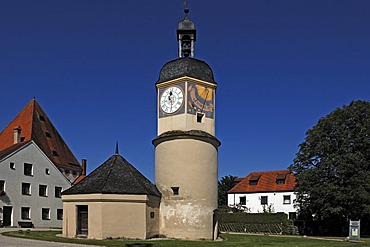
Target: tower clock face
{"points": [[171, 100]]}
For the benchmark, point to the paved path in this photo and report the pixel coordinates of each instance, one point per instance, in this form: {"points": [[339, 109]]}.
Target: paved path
{"points": [[16, 242]]}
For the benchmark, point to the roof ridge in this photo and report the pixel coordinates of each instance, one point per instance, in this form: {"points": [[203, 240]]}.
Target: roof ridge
{"points": [[109, 172]]}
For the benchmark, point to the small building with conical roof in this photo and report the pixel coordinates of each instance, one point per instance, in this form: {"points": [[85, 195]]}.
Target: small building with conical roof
{"points": [[115, 200]]}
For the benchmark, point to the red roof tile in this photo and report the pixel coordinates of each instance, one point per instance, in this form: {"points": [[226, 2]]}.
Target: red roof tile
{"points": [[266, 182], [35, 125], [79, 179]]}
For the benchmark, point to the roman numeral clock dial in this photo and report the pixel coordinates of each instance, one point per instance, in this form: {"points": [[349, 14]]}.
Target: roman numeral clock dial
{"points": [[171, 100]]}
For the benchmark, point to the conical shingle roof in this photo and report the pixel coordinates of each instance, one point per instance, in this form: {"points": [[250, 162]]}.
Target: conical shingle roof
{"points": [[114, 176]]}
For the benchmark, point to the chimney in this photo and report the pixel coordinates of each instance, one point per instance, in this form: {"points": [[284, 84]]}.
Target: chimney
{"points": [[17, 135], [83, 164]]}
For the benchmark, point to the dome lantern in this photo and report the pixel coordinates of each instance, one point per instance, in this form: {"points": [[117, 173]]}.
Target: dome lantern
{"points": [[186, 35]]}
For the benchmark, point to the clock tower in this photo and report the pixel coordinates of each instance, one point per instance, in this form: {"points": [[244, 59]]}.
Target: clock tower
{"points": [[186, 149]]}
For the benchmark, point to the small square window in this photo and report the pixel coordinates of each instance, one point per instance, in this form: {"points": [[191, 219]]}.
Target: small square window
{"points": [[175, 191], [58, 192], [59, 214], [41, 117], [43, 190], [12, 165], [45, 213], [28, 169], [264, 200], [55, 153], [253, 181], [47, 171], [280, 181], [47, 134], [242, 200], [26, 189], [200, 117], [25, 213], [286, 199]]}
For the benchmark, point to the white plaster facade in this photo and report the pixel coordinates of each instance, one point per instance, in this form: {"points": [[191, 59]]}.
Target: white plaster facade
{"points": [[277, 202], [44, 173]]}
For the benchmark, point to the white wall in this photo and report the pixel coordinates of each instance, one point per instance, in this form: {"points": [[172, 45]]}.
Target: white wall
{"points": [[30, 153], [253, 201]]}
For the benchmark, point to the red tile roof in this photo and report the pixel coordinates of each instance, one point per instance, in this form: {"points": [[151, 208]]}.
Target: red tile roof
{"points": [[34, 124], [266, 182], [79, 179]]}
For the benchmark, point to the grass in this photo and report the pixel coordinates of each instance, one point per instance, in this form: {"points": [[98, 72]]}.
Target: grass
{"points": [[234, 240]]}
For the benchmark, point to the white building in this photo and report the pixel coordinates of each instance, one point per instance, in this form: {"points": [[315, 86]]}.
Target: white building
{"points": [[271, 191], [35, 167]]}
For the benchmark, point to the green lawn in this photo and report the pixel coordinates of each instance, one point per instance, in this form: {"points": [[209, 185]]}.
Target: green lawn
{"points": [[234, 240]]}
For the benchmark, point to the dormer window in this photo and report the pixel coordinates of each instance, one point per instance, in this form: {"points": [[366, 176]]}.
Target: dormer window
{"points": [[253, 181], [280, 179]]}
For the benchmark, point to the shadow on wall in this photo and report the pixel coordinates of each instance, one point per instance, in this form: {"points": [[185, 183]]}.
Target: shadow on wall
{"points": [[5, 199]]}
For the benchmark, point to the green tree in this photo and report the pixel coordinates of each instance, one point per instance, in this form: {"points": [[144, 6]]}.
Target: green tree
{"points": [[332, 166], [224, 185]]}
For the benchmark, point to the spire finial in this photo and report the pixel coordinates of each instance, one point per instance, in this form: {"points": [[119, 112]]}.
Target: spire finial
{"points": [[117, 147]]}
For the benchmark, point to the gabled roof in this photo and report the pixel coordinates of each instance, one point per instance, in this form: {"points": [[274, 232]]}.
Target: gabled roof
{"points": [[114, 176], [266, 182], [5, 152], [35, 125]]}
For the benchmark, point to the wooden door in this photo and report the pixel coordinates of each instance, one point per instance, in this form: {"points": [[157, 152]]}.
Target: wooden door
{"points": [[7, 215], [82, 220]]}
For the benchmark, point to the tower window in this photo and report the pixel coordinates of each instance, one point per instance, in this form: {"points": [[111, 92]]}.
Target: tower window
{"points": [[200, 117], [55, 153], [41, 117], [175, 191], [47, 134]]}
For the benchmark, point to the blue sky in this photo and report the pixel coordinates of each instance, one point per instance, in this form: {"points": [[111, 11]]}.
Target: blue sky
{"points": [[92, 65]]}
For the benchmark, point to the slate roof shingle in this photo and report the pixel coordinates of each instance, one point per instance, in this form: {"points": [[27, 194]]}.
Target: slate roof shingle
{"points": [[186, 66], [266, 182], [114, 176]]}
